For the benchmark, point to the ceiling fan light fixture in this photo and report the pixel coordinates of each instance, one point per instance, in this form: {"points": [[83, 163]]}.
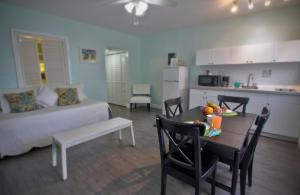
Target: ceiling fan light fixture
{"points": [[137, 8], [129, 7], [141, 8]]}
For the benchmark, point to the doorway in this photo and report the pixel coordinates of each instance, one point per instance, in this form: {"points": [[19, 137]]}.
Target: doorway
{"points": [[116, 66]]}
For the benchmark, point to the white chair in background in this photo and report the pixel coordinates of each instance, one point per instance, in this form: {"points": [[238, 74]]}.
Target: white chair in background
{"points": [[141, 95]]}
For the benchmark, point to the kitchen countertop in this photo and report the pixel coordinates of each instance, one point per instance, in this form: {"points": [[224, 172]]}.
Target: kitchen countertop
{"points": [[259, 90]]}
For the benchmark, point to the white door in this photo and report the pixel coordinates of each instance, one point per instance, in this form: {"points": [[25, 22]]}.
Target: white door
{"points": [[171, 74], [242, 54], [117, 78], [284, 117], [288, 51], [221, 55], [263, 53], [203, 57]]}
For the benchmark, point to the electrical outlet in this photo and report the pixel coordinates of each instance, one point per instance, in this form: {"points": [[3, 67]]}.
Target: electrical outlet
{"points": [[266, 73]]}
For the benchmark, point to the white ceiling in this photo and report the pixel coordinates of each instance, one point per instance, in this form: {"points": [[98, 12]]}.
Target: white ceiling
{"points": [[157, 19]]}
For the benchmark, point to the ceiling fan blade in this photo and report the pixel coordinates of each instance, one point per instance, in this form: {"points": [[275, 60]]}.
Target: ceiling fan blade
{"points": [[169, 3], [113, 2], [121, 1]]}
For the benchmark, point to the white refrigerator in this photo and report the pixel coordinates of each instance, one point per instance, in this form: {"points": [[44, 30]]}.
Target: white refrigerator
{"points": [[175, 84]]}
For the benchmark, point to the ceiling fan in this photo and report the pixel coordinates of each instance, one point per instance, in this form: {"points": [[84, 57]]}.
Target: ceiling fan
{"points": [[139, 7]]}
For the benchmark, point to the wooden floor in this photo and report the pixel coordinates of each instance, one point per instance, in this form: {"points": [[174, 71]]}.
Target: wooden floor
{"points": [[107, 166]]}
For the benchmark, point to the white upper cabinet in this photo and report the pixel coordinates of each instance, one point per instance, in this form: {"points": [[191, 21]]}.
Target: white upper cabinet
{"points": [[213, 56], [221, 56], [242, 54], [288, 51], [204, 57], [263, 53]]}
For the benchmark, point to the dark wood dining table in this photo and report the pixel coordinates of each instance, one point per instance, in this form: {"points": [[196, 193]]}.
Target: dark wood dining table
{"points": [[235, 131]]}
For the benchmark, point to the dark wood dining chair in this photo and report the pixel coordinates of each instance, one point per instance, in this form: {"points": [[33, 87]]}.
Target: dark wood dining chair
{"points": [[173, 107], [238, 101], [184, 159], [246, 164], [246, 154]]}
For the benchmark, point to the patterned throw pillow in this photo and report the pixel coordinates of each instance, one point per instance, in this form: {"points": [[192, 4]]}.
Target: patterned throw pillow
{"points": [[22, 102], [67, 96]]}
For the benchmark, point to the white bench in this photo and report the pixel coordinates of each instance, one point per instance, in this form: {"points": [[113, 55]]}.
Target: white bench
{"points": [[67, 139]]}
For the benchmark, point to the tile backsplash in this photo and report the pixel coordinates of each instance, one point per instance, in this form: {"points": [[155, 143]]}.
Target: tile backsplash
{"points": [[286, 75]]}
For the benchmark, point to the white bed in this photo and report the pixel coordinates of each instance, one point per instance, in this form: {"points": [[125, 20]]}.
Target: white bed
{"points": [[21, 132]]}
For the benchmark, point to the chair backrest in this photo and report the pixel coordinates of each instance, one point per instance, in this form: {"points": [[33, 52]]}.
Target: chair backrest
{"points": [[174, 152], [260, 122], [240, 101], [141, 89], [173, 107]]}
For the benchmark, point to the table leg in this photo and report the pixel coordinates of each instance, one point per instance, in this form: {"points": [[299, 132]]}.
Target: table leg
{"points": [[235, 172], [132, 135], [64, 163], [54, 153], [120, 134]]}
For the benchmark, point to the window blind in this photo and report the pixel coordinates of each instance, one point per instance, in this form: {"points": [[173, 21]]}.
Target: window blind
{"points": [[55, 61], [29, 61]]}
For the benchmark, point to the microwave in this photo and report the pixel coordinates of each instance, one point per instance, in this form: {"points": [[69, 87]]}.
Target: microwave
{"points": [[209, 80]]}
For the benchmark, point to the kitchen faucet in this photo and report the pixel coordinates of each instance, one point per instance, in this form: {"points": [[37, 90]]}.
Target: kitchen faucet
{"points": [[250, 77]]}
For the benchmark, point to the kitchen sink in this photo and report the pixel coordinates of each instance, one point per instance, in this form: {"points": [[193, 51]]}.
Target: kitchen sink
{"points": [[250, 87]]}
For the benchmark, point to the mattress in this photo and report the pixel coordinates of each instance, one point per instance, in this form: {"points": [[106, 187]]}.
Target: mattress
{"points": [[22, 131]]}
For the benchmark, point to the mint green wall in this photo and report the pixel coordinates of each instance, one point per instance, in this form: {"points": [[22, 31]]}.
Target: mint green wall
{"points": [[78, 34], [269, 26]]}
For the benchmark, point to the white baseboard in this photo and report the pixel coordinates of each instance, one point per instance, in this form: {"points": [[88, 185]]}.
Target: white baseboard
{"points": [[156, 106], [279, 137]]}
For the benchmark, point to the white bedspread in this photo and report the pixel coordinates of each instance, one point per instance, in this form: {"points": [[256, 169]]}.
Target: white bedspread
{"points": [[23, 131]]}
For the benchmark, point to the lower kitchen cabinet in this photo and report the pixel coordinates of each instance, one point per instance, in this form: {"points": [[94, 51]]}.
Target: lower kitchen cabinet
{"points": [[284, 118], [200, 97], [285, 109]]}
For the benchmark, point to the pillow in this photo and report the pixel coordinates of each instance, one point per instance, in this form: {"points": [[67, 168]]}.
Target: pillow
{"points": [[79, 87], [47, 97], [4, 104], [22, 102], [81, 94], [67, 96]]}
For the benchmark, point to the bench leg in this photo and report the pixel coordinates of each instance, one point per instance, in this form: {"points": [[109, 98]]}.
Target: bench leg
{"points": [[132, 135], [120, 134], [64, 163], [54, 153]]}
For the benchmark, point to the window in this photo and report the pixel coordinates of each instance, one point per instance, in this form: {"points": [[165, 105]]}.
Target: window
{"points": [[40, 59]]}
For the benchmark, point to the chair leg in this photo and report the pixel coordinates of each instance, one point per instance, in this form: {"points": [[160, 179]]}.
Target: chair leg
{"points": [[198, 188], [213, 181], [134, 105], [163, 182], [250, 173], [243, 176], [130, 107], [148, 106]]}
